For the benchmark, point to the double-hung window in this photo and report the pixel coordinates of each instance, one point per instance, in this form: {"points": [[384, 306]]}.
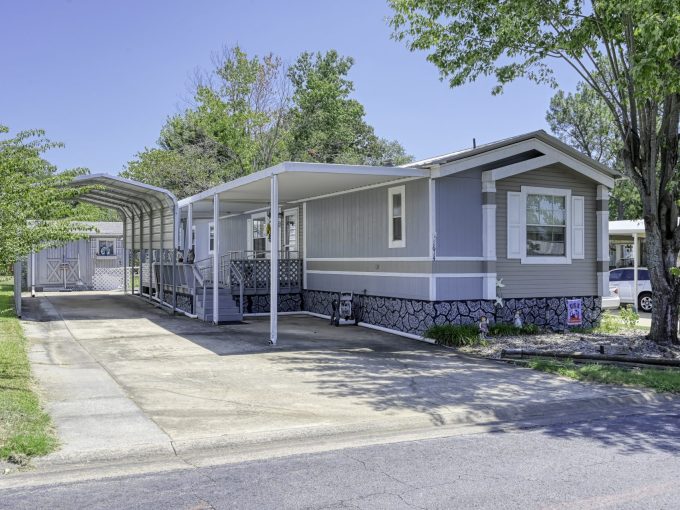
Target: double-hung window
{"points": [[396, 216], [545, 226]]}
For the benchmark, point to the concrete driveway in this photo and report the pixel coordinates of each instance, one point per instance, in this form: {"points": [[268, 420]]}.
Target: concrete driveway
{"points": [[121, 377]]}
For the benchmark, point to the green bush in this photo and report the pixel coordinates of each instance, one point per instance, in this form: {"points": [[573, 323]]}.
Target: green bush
{"points": [[629, 317], [609, 324], [457, 335], [500, 329], [454, 335]]}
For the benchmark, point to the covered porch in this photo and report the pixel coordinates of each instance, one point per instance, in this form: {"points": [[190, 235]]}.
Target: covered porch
{"points": [[248, 235]]}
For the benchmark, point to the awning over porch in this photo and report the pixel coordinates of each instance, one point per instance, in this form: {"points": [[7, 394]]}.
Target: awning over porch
{"points": [[285, 183]]}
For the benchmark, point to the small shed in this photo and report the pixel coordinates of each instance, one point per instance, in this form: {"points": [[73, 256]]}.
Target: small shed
{"points": [[93, 263]]}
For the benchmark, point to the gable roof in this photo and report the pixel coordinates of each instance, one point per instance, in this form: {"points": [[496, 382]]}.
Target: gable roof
{"points": [[516, 150]]}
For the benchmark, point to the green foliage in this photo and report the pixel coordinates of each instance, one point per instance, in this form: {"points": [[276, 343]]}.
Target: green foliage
{"points": [[37, 207], [609, 323], [251, 113], [459, 335], [25, 429], [327, 125], [500, 329], [454, 335], [662, 380], [629, 317]]}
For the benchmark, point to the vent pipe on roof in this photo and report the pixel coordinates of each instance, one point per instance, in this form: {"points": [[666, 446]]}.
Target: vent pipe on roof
{"points": [[474, 143]]}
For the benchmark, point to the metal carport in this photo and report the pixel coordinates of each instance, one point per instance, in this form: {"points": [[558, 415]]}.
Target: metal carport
{"points": [[150, 227]]}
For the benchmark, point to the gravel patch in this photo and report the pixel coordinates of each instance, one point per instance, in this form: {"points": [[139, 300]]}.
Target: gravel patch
{"points": [[631, 343]]}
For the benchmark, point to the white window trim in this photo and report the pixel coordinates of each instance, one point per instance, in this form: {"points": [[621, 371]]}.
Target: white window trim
{"points": [[211, 226], [251, 241], [396, 190], [531, 190], [291, 212]]}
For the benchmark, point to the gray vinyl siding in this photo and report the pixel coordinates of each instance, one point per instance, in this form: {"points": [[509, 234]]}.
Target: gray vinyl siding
{"points": [[233, 234], [459, 288], [458, 204], [356, 224], [548, 280], [387, 286]]}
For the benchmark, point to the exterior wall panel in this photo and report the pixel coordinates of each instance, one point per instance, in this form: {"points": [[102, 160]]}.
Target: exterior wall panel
{"points": [[548, 280], [356, 224], [401, 286], [458, 205]]}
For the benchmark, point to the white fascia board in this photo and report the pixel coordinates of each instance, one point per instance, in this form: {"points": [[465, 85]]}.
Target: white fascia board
{"points": [[485, 157], [575, 164], [519, 168], [226, 186], [333, 168]]}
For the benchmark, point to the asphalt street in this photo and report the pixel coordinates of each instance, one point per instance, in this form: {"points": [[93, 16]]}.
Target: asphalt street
{"points": [[620, 462]]}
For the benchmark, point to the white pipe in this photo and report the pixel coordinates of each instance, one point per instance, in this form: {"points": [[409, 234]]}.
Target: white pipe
{"points": [[32, 274], [274, 262]]}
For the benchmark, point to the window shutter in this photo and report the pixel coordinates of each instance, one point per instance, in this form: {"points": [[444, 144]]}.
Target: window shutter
{"points": [[577, 228], [249, 234], [514, 225]]}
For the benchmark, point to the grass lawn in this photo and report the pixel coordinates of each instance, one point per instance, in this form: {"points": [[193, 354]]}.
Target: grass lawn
{"points": [[662, 380], [25, 429]]}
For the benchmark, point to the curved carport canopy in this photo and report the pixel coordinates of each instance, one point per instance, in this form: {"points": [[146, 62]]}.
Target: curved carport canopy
{"points": [[150, 226]]}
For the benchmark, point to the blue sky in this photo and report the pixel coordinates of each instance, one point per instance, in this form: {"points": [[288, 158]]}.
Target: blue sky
{"points": [[103, 76]]}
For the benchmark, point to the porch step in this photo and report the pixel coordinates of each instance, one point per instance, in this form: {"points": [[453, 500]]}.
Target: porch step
{"points": [[228, 310]]}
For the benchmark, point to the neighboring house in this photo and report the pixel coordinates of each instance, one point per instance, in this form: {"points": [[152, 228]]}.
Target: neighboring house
{"points": [[94, 263], [519, 224], [626, 238]]}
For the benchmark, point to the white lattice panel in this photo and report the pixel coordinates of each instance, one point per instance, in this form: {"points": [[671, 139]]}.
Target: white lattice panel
{"points": [[108, 278]]}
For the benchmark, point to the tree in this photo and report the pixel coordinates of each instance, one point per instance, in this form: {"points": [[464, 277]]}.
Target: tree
{"points": [[640, 43], [584, 121], [326, 124], [184, 172], [37, 207]]}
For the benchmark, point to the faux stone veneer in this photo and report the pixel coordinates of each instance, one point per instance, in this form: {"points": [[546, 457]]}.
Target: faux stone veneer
{"points": [[260, 303], [415, 316]]}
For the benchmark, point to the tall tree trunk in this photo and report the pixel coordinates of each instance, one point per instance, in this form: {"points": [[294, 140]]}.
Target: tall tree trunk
{"points": [[661, 256]]}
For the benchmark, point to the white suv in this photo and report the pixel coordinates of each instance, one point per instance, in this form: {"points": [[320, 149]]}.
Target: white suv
{"points": [[623, 280]]}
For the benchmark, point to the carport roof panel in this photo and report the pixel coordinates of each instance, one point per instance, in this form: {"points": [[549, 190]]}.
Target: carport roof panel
{"points": [[119, 192], [300, 181]]}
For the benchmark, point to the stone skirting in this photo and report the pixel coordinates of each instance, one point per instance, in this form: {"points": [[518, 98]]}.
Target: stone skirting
{"points": [[185, 302], [260, 303], [415, 316]]}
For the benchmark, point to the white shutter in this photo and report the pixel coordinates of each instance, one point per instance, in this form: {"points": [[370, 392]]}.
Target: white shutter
{"points": [[249, 234], [578, 250], [514, 225]]}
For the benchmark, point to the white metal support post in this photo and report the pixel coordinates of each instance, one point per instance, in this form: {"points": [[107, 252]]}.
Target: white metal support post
{"points": [[150, 258], [161, 259], [141, 251], [189, 230], [131, 270], [635, 271], [125, 255], [173, 252], [216, 257], [32, 274], [274, 262]]}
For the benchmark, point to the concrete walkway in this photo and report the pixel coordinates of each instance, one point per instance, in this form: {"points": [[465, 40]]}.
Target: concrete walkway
{"points": [[121, 377]]}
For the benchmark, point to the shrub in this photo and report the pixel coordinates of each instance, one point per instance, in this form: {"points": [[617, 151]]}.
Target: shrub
{"points": [[454, 335], [629, 317], [500, 329], [609, 324]]}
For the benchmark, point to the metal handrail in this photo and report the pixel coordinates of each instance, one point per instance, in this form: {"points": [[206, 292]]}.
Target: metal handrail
{"points": [[262, 254]]}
